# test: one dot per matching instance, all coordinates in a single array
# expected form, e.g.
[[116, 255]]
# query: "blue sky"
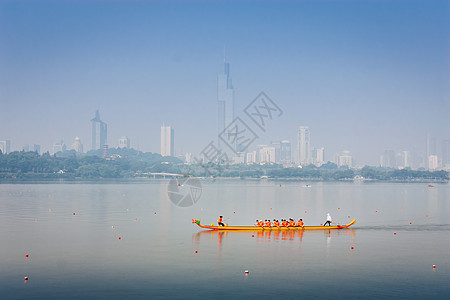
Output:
[[364, 75]]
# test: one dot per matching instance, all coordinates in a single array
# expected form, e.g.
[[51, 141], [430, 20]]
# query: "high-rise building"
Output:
[[167, 141], [5, 146], [303, 146], [387, 160], [124, 142], [433, 162], [318, 156], [267, 154], [77, 145], [251, 157], [225, 100], [345, 159], [285, 151], [59, 147], [282, 151], [403, 159], [99, 132]]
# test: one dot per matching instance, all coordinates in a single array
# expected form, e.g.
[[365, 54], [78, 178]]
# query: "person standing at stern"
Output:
[[328, 220]]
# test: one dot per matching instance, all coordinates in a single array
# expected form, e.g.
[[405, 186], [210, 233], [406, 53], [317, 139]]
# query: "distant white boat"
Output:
[[308, 185]]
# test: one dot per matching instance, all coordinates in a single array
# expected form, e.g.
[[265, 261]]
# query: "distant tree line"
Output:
[[120, 163], [128, 163], [402, 175]]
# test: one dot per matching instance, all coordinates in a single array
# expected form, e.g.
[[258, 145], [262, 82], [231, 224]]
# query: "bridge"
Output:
[[163, 175]]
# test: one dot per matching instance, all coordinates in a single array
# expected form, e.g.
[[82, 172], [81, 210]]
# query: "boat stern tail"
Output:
[[351, 223]]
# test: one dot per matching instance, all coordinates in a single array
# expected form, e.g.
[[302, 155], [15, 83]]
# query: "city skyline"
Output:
[[322, 64], [274, 152]]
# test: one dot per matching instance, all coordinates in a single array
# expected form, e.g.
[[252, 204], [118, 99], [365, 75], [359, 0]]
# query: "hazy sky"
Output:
[[365, 76]]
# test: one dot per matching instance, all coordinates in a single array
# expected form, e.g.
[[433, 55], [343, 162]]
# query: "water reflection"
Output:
[[208, 236]]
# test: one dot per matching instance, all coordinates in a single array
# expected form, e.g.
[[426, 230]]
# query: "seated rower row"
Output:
[[276, 223]]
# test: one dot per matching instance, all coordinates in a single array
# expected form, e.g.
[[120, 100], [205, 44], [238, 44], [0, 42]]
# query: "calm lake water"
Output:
[[81, 256]]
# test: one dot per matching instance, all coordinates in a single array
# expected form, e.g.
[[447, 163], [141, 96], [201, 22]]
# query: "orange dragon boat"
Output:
[[257, 228]]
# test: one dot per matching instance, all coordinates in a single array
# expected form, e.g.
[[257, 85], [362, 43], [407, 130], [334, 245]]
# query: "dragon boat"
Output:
[[272, 228]]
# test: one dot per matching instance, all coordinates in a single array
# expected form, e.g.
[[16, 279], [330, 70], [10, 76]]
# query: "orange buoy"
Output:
[[434, 266], [395, 233], [155, 212], [271, 208], [25, 278], [321, 224], [410, 223], [427, 217], [26, 255], [352, 248], [119, 237], [305, 211], [349, 216], [135, 219], [376, 211], [339, 208], [253, 235], [234, 212], [74, 214], [196, 251], [246, 272], [112, 227]]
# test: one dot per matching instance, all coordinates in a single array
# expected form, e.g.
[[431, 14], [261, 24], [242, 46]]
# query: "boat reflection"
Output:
[[278, 235]]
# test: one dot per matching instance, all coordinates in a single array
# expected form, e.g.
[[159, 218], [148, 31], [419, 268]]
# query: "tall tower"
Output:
[[225, 99], [99, 132], [303, 146], [167, 141]]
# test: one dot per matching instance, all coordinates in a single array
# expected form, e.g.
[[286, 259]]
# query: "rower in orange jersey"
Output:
[[291, 223], [276, 223], [220, 221], [300, 223], [284, 223], [258, 223], [268, 223]]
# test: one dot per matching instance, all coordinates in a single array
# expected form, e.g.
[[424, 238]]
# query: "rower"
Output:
[[284, 223], [268, 223], [300, 223], [220, 221], [291, 223]]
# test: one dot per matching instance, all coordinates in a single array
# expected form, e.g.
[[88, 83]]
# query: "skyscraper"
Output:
[[225, 100], [303, 146], [5, 146], [99, 132], [167, 141]]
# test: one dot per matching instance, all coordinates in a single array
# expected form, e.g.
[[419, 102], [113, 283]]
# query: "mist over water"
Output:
[[79, 256]]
